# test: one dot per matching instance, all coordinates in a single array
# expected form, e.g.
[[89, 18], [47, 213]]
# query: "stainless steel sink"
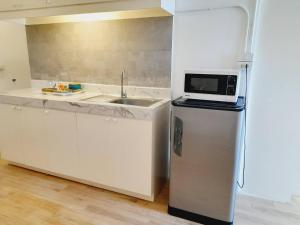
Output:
[[136, 102], [99, 98]]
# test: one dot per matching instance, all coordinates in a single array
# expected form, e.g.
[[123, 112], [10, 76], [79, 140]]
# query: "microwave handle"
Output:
[[178, 132]]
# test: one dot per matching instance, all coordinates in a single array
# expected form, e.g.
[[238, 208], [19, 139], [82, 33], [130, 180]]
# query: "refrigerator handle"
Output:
[[178, 132]]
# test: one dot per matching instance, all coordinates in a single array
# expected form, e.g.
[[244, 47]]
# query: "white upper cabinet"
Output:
[[15, 9], [12, 5], [57, 3]]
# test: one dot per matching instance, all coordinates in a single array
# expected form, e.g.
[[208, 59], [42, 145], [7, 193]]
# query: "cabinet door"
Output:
[[95, 155], [131, 145], [12, 5], [34, 138], [54, 3], [10, 134], [60, 131]]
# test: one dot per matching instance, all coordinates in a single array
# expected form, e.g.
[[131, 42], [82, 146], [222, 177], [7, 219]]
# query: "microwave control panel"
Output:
[[231, 85]]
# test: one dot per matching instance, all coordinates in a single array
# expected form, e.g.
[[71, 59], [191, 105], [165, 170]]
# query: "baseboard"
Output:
[[196, 217], [97, 185]]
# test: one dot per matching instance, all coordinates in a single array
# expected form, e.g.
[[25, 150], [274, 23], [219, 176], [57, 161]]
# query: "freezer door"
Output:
[[204, 161]]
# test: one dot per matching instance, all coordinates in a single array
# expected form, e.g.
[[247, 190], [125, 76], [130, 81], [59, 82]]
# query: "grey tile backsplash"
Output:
[[97, 52]]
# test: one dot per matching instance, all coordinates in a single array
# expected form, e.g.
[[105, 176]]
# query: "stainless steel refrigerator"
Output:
[[206, 140]]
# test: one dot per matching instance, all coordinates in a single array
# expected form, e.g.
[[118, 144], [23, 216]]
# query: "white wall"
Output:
[[14, 62], [206, 40], [273, 163]]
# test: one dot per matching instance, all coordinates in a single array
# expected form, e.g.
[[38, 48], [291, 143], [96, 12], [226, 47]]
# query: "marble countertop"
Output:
[[81, 103]]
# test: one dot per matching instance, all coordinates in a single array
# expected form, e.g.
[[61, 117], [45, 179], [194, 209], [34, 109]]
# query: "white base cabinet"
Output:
[[132, 142], [40, 138], [11, 144], [118, 154], [60, 131], [34, 138], [96, 158]]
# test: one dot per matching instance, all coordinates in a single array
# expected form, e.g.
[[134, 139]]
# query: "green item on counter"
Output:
[[75, 86]]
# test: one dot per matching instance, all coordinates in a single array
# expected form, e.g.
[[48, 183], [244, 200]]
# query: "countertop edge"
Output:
[[79, 106]]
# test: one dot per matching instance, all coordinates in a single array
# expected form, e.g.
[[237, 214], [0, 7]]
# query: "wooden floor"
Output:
[[31, 198]]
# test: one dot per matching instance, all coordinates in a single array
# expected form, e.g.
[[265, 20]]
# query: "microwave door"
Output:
[[205, 84]]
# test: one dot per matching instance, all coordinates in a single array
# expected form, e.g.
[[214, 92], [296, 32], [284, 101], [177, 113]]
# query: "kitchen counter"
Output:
[[85, 138], [81, 103]]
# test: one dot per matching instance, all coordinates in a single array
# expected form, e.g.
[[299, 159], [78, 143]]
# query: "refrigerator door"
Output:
[[204, 161]]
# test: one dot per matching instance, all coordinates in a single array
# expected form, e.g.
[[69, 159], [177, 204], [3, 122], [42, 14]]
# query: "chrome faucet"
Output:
[[123, 93]]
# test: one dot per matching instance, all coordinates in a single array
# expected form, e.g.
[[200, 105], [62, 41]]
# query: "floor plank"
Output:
[[31, 198]]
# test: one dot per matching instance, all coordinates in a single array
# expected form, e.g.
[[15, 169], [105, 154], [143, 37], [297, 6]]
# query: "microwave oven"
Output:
[[221, 86]]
